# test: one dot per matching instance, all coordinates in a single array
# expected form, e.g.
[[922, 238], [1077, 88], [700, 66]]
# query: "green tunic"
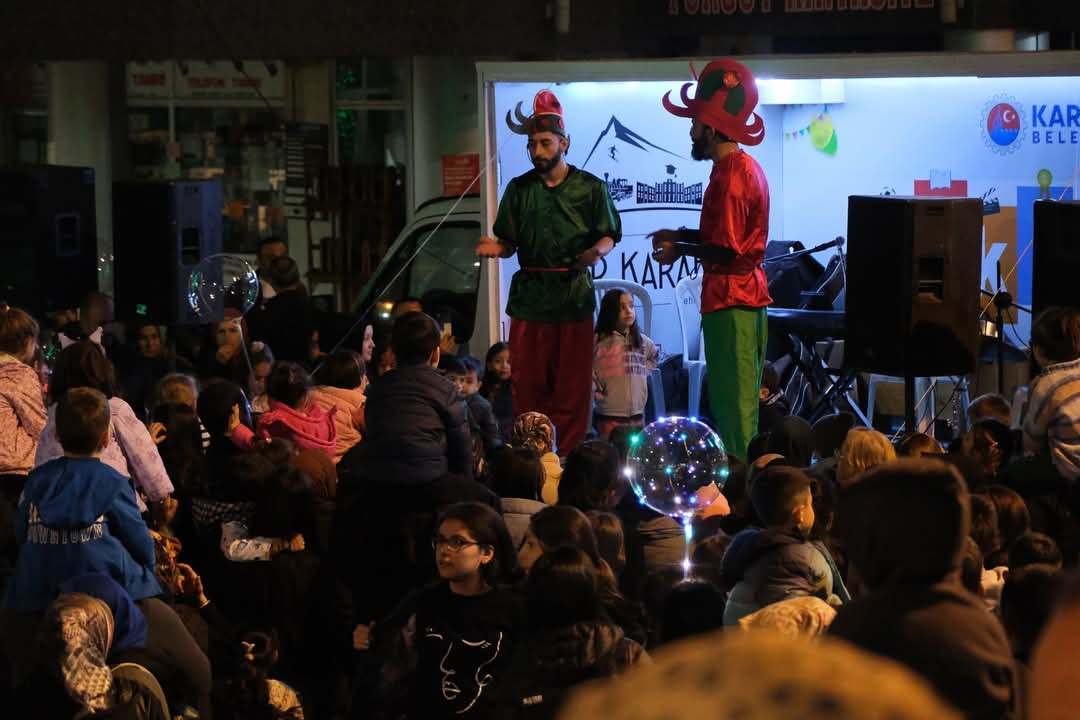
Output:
[[550, 228]]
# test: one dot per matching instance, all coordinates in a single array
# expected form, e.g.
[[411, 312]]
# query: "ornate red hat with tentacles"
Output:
[[546, 117], [725, 99]]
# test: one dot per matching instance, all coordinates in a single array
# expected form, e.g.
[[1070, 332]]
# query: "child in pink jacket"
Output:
[[22, 406], [291, 416], [341, 379]]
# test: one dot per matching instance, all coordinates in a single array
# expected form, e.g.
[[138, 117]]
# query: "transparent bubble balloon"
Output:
[[220, 283], [677, 466]]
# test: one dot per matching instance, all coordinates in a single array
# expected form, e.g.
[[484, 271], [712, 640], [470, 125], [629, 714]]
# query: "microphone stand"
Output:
[[1003, 300], [838, 242]]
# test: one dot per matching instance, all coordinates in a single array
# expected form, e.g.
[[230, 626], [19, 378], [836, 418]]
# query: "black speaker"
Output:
[[913, 273], [161, 232], [1055, 264], [48, 236]]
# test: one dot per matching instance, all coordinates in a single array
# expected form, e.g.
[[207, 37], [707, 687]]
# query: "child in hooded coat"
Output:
[[291, 417]]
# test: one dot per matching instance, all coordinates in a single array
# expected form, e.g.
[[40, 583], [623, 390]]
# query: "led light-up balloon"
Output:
[[222, 282], [677, 467]]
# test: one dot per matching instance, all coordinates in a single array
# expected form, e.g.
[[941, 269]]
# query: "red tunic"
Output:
[[735, 214]]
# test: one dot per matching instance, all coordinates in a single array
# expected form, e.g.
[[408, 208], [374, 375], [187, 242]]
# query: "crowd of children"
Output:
[[254, 533]]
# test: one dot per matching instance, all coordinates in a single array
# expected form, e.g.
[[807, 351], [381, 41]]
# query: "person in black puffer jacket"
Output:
[[570, 640], [416, 459], [418, 431]]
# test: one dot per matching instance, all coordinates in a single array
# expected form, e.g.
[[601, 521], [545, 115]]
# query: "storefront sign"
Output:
[[198, 80], [225, 80], [459, 174], [765, 7], [149, 80], [796, 17]]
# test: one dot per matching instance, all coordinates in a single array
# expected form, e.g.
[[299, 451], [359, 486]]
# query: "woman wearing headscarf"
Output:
[[72, 675], [535, 431], [150, 634]]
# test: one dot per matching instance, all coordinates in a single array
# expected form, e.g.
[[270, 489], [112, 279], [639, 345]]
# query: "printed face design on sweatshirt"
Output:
[[464, 667]]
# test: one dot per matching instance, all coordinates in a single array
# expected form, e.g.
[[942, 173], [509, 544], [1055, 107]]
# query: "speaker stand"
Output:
[[1002, 301]]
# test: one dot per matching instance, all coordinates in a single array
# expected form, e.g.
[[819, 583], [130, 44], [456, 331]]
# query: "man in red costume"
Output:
[[560, 220], [730, 244]]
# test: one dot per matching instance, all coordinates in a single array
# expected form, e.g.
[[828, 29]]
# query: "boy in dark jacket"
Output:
[[416, 458], [463, 373], [775, 562], [418, 431]]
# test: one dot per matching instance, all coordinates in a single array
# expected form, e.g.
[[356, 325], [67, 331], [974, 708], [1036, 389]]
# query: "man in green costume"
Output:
[[560, 221]]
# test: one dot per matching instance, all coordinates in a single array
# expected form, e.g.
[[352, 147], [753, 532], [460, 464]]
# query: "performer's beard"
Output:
[[700, 149], [543, 165]]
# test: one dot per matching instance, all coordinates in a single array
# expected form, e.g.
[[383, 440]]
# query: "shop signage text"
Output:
[[763, 7], [201, 80]]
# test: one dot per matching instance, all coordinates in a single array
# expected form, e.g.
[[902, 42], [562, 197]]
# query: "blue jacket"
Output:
[[482, 421], [764, 566], [79, 517], [417, 429]]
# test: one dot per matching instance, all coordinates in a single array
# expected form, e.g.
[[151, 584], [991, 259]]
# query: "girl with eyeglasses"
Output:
[[448, 645]]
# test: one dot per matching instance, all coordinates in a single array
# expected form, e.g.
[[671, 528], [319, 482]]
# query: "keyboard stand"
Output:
[[834, 388], [839, 391]]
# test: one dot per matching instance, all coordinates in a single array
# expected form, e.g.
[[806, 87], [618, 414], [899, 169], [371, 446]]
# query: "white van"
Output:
[[434, 259]]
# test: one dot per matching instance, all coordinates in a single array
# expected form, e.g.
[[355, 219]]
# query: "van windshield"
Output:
[[447, 262], [445, 274]]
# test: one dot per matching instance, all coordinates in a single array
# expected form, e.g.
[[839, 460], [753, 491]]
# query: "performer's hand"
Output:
[[587, 259], [663, 242], [489, 248]]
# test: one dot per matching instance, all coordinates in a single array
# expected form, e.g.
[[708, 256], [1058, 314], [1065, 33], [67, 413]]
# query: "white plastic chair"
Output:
[[688, 304], [642, 298]]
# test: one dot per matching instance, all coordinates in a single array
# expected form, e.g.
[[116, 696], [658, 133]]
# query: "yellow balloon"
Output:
[[821, 132]]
